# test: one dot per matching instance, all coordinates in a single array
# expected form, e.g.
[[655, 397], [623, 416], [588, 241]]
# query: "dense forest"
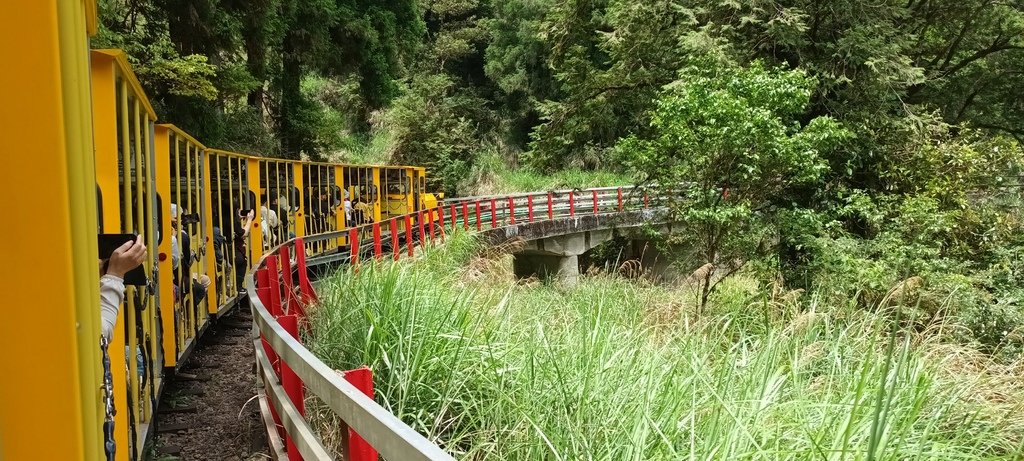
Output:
[[873, 148]]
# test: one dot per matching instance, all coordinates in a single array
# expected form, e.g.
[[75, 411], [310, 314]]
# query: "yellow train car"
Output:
[[87, 154]]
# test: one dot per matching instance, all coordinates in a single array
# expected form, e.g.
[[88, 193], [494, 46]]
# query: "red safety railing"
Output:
[[280, 291]]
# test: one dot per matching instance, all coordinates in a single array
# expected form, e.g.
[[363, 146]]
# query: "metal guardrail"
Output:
[[297, 368]]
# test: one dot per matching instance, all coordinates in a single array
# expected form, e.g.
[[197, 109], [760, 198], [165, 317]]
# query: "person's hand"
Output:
[[126, 257], [251, 215]]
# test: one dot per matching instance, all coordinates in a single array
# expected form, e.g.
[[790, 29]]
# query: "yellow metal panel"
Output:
[[190, 305], [82, 187], [380, 194], [231, 219], [90, 19], [300, 184], [223, 222], [141, 224], [36, 123], [128, 225], [104, 121], [256, 232], [161, 141], [207, 241], [339, 211], [153, 226], [121, 62], [180, 305]]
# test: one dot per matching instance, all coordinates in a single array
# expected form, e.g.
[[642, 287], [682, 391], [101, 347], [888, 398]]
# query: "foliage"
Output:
[[437, 120], [861, 144], [490, 175], [432, 125], [727, 143], [491, 369], [605, 81]]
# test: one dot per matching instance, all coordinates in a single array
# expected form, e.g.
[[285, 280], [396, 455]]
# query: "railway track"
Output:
[[207, 411]]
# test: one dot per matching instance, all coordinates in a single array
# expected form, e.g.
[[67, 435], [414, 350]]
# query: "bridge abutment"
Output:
[[565, 269]]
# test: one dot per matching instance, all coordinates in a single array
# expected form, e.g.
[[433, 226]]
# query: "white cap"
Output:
[[174, 210]]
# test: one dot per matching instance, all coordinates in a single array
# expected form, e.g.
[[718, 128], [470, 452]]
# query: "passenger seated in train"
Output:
[[243, 224], [112, 270], [278, 204], [348, 209], [269, 223], [364, 211], [220, 257], [181, 255]]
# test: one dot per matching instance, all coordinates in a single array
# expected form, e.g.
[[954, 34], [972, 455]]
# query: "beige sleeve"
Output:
[[111, 296]]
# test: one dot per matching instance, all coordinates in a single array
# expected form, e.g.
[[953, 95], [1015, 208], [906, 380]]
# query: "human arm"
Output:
[[247, 224], [111, 296], [125, 258], [175, 253]]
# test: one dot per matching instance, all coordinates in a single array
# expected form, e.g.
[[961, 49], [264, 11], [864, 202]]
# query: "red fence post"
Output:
[[595, 200], [511, 210], [377, 246], [620, 198], [358, 448], [572, 204], [422, 226], [465, 215], [477, 210], [263, 293], [645, 199], [305, 287], [529, 208], [408, 233], [292, 385], [353, 245], [430, 224], [494, 213], [273, 285], [455, 218], [262, 277], [551, 206], [440, 221], [290, 303]]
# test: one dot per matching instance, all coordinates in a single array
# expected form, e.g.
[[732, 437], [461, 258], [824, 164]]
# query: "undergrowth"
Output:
[[616, 369]]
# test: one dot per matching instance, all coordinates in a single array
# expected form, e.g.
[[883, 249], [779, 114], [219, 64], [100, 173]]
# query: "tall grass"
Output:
[[619, 370]]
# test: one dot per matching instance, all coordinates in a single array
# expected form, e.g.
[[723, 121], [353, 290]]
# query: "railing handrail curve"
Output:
[[392, 438]]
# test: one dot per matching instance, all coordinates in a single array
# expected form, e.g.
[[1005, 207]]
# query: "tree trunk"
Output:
[[291, 95]]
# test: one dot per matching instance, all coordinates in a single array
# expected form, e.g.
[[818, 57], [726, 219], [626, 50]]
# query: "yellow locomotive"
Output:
[[84, 154]]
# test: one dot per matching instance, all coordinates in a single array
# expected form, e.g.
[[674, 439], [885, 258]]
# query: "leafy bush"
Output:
[[433, 124], [728, 138]]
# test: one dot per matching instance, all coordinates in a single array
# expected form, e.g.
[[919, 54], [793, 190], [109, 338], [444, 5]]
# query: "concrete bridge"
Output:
[[553, 247]]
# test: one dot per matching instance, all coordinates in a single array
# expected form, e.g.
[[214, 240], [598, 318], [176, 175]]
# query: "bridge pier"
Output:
[[563, 268], [557, 257], [553, 248]]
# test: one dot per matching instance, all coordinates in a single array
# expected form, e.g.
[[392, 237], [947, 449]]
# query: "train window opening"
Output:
[[159, 217], [99, 209]]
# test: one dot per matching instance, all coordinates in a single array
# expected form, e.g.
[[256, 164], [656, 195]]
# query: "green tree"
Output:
[[609, 60], [727, 147], [517, 64], [441, 116]]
